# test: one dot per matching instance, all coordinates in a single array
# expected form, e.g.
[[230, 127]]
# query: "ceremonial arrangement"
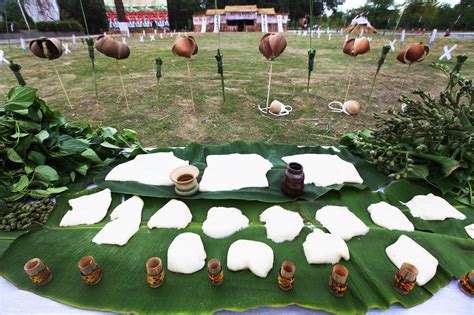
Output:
[[102, 218]]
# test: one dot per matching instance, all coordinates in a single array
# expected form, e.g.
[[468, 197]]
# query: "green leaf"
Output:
[[82, 169], [37, 157], [14, 156], [370, 279], [447, 164], [42, 135], [91, 155], [419, 171], [21, 185], [20, 98], [56, 190], [73, 146], [39, 194], [46, 173]]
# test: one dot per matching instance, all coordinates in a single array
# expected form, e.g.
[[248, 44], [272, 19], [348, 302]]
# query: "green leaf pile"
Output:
[[123, 287], [41, 154]]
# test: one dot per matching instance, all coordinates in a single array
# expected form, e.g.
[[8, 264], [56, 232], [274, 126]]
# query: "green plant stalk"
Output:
[[90, 48], [15, 68], [311, 55], [385, 51], [159, 63], [220, 70]]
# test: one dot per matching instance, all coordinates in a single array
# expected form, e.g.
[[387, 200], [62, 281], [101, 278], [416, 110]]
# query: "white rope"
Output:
[[338, 107]]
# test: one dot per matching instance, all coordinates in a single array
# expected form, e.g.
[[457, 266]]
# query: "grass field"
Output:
[[171, 121]]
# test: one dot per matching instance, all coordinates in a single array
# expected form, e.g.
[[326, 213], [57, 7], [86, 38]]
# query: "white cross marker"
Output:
[[155, 32], [144, 33], [402, 37], [152, 38], [447, 52], [329, 36], [124, 40], [66, 49], [319, 32], [23, 44], [2, 58], [141, 39], [392, 44], [74, 41]]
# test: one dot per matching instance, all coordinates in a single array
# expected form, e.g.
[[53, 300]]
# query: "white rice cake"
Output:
[[186, 253], [432, 208], [174, 214], [88, 209], [222, 222], [281, 224], [341, 221], [253, 255], [324, 248], [385, 215]]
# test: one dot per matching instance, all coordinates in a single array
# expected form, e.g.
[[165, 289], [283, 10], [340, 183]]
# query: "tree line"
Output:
[[383, 14]]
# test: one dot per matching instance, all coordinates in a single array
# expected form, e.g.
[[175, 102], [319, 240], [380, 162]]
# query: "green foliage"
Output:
[[60, 26], [94, 10], [430, 138], [40, 153]]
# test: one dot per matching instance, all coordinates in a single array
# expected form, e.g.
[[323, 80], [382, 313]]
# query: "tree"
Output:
[[93, 9], [120, 10]]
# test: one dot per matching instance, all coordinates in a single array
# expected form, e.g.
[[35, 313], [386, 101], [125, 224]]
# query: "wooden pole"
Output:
[[62, 85], [269, 85], [123, 85], [190, 85]]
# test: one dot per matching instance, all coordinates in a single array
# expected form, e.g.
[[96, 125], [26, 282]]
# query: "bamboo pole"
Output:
[[350, 79], [190, 85], [62, 85], [123, 85], [269, 85]]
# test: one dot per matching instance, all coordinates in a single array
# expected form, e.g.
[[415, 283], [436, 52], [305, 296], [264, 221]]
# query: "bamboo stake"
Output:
[[350, 80], [123, 86], [62, 85], [190, 85], [269, 85]]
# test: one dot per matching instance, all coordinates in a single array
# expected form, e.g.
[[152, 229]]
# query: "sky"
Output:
[[350, 4]]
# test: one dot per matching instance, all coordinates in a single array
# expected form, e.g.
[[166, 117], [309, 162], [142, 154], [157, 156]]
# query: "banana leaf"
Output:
[[123, 288], [196, 155]]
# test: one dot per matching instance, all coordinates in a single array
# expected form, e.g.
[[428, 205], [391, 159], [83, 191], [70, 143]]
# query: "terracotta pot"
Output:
[[293, 180], [414, 53], [185, 47], [185, 180], [272, 45], [356, 46], [43, 47]]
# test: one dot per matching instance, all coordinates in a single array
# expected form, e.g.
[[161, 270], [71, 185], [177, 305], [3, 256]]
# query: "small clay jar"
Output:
[[286, 275], [405, 279], [293, 180], [338, 280], [185, 180], [466, 284], [215, 272], [91, 273], [37, 271], [155, 275]]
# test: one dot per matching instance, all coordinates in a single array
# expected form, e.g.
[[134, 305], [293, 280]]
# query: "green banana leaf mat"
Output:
[[123, 287], [196, 155]]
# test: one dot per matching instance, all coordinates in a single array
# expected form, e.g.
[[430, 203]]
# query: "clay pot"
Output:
[[272, 45], [185, 47], [43, 47], [293, 180], [279, 109], [414, 53], [356, 46], [352, 107], [111, 48], [185, 180]]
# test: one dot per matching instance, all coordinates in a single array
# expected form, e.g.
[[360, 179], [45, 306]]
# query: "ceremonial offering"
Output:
[[186, 253], [281, 224], [466, 284], [431, 207], [252, 255], [341, 222], [184, 179], [414, 53], [185, 47], [215, 272], [83, 213], [385, 215], [272, 45], [356, 46], [222, 222], [348, 107], [293, 180], [37, 271], [279, 109], [174, 214], [155, 275], [338, 280], [324, 248], [91, 273], [405, 279], [286, 275]]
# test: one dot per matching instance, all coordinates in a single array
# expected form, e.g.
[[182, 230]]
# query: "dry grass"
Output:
[[171, 121]]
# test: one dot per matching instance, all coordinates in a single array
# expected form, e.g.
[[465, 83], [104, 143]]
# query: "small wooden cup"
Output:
[[338, 280], [37, 271], [286, 275], [155, 275], [466, 284], [405, 279], [185, 180], [91, 273], [215, 272]]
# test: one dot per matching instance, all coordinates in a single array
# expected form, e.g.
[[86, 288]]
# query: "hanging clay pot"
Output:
[[111, 48], [414, 53], [185, 47], [356, 46], [272, 45], [43, 47]]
